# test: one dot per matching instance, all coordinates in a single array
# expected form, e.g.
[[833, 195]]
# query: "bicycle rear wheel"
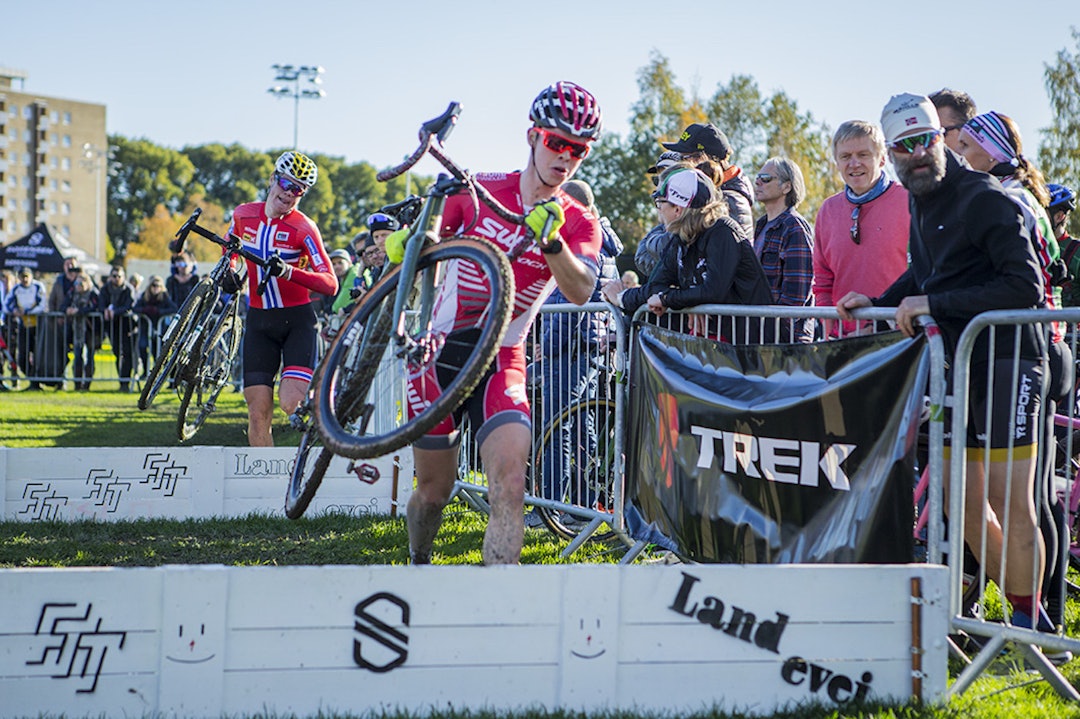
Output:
[[360, 398], [198, 305], [312, 460], [587, 476], [212, 372]]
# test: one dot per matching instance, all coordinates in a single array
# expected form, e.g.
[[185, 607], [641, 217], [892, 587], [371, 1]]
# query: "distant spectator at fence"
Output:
[[341, 262], [783, 241], [154, 304], [26, 303], [1062, 204], [711, 264], [117, 304], [630, 279], [80, 307], [954, 108], [54, 332], [183, 278], [657, 240], [860, 234], [706, 147]]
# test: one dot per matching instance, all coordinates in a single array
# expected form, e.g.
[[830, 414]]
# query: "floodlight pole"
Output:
[[293, 74], [92, 161]]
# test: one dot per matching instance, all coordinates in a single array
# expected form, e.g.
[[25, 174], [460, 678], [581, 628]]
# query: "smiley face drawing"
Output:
[[588, 644], [191, 645]]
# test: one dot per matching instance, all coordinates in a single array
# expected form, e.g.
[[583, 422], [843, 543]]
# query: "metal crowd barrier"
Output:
[[47, 349], [999, 634], [576, 387]]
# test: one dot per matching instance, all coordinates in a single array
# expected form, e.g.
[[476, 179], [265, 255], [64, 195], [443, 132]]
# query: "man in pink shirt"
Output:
[[860, 234]]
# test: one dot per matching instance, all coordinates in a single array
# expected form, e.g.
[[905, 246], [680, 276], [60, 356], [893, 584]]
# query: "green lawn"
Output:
[[105, 417]]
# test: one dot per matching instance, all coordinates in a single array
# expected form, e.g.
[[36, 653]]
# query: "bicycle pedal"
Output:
[[298, 422]]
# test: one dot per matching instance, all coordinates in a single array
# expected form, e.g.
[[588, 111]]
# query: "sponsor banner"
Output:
[[111, 483], [777, 453], [229, 641]]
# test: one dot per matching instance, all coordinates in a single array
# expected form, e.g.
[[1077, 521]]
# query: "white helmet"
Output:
[[297, 166]]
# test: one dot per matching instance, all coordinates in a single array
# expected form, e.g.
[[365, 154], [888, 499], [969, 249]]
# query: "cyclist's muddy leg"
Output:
[[436, 472], [505, 451]]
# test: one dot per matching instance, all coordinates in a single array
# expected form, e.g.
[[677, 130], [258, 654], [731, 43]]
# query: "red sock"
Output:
[[1024, 603]]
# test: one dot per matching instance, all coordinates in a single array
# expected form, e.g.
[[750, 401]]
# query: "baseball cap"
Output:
[[686, 187], [906, 115], [342, 254], [666, 160], [702, 137]]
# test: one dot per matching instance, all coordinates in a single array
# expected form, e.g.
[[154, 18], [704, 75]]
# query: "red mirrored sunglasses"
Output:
[[559, 144]]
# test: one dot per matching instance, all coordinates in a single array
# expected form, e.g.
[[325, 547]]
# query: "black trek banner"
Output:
[[795, 453]]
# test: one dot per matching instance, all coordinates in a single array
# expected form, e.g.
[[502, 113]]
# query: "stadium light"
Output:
[[94, 161], [292, 75]]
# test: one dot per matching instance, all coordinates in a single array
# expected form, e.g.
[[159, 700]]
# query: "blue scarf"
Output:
[[873, 193]]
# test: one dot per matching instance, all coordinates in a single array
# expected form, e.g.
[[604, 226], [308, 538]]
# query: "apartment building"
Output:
[[53, 165]]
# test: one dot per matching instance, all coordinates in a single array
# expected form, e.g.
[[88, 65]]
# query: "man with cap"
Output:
[[656, 241], [861, 233], [342, 263], [704, 146], [971, 252]]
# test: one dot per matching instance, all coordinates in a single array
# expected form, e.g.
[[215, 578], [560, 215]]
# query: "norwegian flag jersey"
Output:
[[296, 238]]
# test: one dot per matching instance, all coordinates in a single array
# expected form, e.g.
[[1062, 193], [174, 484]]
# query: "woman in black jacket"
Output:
[[713, 262]]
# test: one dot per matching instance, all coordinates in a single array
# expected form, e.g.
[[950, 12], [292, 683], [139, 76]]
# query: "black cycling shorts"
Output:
[[282, 338]]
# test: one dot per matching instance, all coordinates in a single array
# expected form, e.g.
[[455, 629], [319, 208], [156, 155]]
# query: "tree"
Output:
[[758, 127], [1059, 156], [229, 175], [142, 175]]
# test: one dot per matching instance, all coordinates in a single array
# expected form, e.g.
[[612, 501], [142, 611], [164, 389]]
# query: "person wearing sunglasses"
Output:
[[991, 143], [712, 263], [565, 120], [954, 108], [281, 322], [706, 147], [860, 233], [783, 241], [656, 241], [972, 252]]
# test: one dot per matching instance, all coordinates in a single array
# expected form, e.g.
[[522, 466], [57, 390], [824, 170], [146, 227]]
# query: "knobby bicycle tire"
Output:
[[359, 404], [310, 465], [601, 469], [193, 308], [312, 460], [209, 375]]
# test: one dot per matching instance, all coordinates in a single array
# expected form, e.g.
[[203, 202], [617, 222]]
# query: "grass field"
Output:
[[108, 418]]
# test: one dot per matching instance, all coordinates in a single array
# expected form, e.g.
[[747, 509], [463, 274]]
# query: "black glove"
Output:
[[276, 267], [232, 282]]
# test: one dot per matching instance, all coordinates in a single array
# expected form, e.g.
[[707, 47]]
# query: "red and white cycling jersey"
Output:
[[464, 295], [296, 238]]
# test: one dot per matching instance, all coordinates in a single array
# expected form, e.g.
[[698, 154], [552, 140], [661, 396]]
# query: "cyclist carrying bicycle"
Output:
[[281, 322], [565, 119]]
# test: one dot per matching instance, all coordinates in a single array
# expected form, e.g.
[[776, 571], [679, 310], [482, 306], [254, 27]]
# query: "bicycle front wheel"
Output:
[[210, 375], [376, 360], [574, 464], [198, 305]]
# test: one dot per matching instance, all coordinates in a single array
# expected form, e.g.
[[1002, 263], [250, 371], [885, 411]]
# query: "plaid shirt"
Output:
[[786, 254]]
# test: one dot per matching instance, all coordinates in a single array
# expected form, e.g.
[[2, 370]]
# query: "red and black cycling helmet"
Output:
[[569, 108]]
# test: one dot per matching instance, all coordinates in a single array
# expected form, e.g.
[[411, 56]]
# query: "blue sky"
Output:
[[198, 71]]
